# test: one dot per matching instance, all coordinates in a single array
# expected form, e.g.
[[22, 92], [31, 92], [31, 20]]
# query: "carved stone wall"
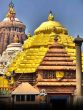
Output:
[[7, 37], [58, 89]]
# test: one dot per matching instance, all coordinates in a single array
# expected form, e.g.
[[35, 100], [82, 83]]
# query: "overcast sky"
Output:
[[33, 12]]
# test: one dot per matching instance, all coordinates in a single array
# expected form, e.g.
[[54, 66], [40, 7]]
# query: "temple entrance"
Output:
[[59, 101]]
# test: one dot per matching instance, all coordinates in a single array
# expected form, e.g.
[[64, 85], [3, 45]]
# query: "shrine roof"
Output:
[[25, 88]]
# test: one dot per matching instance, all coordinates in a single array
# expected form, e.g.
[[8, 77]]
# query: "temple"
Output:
[[46, 65], [9, 27], [47, 62]]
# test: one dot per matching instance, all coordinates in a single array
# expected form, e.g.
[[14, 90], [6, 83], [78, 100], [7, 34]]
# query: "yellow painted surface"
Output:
[[3, 82], [36, 46], [28, 60]]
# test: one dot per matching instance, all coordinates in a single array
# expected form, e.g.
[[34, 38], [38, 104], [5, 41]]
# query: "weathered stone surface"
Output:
[[7, 37], [9, 28]]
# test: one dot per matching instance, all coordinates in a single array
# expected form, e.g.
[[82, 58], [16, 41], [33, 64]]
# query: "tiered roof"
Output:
[[34, 51], [57, 58], [35, 48], [67, 42]]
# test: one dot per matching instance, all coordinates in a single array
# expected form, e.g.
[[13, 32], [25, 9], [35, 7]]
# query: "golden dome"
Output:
[[48, 26]]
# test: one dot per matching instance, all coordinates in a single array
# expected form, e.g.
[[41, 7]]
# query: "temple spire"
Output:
[[50, 17], [11, 12]]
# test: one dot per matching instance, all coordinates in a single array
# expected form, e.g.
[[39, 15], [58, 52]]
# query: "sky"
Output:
[[33, 12]]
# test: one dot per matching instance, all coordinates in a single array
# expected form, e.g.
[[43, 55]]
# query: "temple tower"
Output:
[[48, 62], [10, 27]]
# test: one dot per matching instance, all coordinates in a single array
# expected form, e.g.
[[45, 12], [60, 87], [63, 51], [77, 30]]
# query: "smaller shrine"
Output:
[[25, 93]]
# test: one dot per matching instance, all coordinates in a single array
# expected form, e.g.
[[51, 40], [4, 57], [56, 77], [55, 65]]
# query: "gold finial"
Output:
[[11, 12], [50, 17], [16, 39]]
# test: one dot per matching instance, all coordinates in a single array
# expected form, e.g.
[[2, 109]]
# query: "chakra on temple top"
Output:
[[11, 4], [11, 12]]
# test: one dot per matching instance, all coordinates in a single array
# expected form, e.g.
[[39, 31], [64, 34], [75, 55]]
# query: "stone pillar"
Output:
[[78, 96]]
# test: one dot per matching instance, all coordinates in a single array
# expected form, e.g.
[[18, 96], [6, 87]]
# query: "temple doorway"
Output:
[[59, 101]]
